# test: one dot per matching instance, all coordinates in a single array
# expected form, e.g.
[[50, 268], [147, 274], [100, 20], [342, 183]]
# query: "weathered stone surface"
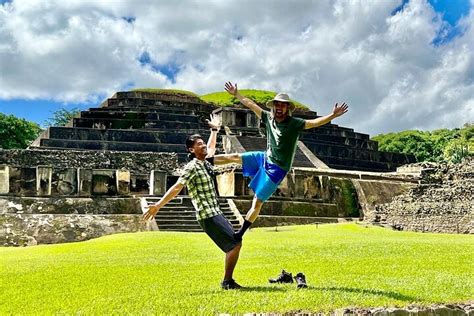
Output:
[[277, 207], [139, 184], [444, 202], [4, 179], [22, 181], [462, 309], [43, 180], [104, 182], [85, 182], [29, 221], [135, 162], [64, 181], [33, 229], [275, 221], [375, 192], [158, 180], [69, 205], [123, 182]]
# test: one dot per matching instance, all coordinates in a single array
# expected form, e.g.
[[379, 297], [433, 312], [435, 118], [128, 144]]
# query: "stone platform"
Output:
[[143, 121]]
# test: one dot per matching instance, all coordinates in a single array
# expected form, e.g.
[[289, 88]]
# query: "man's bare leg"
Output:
[[231, 259], [228, 158], [254, 211]]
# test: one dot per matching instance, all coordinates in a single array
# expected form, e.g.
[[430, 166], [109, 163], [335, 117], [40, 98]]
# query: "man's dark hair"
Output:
[[190, 141]]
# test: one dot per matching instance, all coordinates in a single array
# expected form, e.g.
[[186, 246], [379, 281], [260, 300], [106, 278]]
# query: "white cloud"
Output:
[[320, 52]]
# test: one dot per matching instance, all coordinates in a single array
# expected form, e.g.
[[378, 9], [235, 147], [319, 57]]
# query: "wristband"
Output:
[[214, 129]]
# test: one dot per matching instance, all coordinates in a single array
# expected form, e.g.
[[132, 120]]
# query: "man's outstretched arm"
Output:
[[215, 125], [169, 195], [336, 112], [232, 89]]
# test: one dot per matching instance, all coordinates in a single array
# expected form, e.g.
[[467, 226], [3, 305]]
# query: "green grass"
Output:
[[179, 273], [259, 96], [166, 91]]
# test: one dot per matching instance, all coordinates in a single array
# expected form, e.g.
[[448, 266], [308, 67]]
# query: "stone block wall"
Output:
[[443, 202], [135, 162], [30, 221], [84, 173]]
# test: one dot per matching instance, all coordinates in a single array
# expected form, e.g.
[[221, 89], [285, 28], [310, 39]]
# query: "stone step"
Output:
[[111, 145], [325, 130], [178, 217], [322, 130], [124, 135], [175, 110], [134, 124], [184, 230], [150, 102], [186, 212], [340, 140], [356, 154], [186, 216], [362, 165], [144, 116], [190, 222]]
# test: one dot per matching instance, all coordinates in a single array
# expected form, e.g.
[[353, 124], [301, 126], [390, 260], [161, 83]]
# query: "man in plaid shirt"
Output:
[[197, 176]]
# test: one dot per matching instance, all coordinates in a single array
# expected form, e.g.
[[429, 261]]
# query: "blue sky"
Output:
[[384, 58]]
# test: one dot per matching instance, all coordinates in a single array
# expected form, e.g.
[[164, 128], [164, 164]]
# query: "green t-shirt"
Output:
[[282, 139]]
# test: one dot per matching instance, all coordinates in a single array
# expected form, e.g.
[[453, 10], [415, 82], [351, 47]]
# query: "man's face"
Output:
[[281, 109], [199, 149]]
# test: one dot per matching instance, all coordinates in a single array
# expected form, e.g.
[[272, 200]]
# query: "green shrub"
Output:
[[436, 146], [16, 132]]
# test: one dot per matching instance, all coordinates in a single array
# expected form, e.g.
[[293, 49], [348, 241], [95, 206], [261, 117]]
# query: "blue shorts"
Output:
[[266, 176]]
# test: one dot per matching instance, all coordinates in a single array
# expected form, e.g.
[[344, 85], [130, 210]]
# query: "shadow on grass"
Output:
[[261, 289], [269, 289], [391, 294], [244, 289]]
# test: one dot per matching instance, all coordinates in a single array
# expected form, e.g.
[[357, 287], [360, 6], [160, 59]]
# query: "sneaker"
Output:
[[284, 277], [230, 285], [301, 281]]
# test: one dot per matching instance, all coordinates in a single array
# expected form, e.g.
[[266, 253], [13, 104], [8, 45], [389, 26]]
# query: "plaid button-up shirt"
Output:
[[201, 188]]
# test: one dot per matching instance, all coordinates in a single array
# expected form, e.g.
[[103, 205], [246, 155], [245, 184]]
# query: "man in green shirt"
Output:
[[268, 169]]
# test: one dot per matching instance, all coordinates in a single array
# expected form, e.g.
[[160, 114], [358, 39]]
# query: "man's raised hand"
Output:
[[215, 122], [229, 87], [152, 210], [340, 109]]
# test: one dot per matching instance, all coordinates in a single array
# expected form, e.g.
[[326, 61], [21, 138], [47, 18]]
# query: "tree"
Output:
[[437, 146], [456, 150], [16, 132], [62, 116]]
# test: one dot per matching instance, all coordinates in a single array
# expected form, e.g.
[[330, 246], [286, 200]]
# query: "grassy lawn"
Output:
[[179, 273]]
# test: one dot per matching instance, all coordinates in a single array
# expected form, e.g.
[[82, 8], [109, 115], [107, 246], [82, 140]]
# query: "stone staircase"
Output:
[[180, 215]]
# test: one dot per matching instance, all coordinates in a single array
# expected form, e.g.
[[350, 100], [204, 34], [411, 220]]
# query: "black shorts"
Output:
[[221, 232]]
